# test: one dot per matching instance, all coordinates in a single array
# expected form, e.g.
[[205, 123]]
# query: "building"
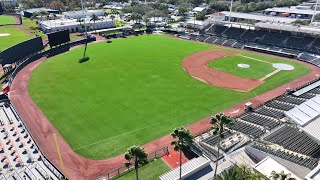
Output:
[[29, 12], [267, 165], [73, 25], [293, 11], [81, 14], [236, 16]]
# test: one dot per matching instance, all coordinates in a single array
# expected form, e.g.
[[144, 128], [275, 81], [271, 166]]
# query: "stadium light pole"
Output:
[[314, 11], [84, 18], [231, 2], [85, 29]]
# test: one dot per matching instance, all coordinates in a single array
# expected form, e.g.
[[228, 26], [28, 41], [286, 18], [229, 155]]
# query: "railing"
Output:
[[123, 169]]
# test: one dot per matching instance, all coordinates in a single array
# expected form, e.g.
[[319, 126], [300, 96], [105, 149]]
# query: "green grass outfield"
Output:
[[16, 36], [131, 92], [7, 19], [229, 64], [150, 171]]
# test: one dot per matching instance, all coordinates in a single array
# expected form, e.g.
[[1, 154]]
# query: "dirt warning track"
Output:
[[196, 65]]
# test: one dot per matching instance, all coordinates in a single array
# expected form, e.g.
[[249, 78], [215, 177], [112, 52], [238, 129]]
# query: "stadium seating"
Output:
[[202, 37], [220, 40], [211, 39], [306, 162], [261, 120], [248, 129], [20, 156], [238, 45], [213, 140], [294, 140], [267, 111], [230, 42], [306, 57], [300, 43], [315, 47], [279, 105], [290, 51], [233, 33], [251, 36], [274, 39], [290, 99]]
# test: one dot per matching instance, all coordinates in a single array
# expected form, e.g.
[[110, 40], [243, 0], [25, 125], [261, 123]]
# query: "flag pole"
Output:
[[59, 154]]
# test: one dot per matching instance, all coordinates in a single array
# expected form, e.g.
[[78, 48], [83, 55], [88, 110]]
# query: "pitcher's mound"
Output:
[[282, 66], [4, 34]]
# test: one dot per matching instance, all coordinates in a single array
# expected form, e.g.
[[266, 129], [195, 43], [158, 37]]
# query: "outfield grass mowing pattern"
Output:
[[7, 19], [229, 65], [132, 91]]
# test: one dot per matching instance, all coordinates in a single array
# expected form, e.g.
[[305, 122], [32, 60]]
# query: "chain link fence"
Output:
[[123, 169]]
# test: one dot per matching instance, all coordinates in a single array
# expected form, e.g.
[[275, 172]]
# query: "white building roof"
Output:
[[188, 168], [259, 17], [291, 10], [267, 165], [305, 112], [69, 22], [198, 9]]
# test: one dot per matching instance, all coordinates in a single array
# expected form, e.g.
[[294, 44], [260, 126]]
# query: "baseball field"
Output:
[[4, 19], [11, 35], [135, 90]]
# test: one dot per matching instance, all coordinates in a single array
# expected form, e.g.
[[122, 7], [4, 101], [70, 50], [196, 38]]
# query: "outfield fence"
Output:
[[124, 169]]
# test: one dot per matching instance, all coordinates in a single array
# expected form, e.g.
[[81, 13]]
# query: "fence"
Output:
[[123, 169]]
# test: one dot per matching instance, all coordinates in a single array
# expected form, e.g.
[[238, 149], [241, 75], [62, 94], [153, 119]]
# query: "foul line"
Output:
[[256, 59]]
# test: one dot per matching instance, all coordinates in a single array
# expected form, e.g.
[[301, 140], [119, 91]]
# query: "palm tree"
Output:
[[220, 122], [106, 14], [230, 174], [136, 156], [281, 176], [146, 20], [94, 18], [184, 140], [112, 17]]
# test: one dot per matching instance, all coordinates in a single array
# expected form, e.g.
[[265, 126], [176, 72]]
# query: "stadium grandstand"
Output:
[[21, 158], [273, 130], [302, 46]]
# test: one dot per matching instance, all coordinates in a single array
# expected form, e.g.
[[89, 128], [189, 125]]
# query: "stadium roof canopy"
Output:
[[307, 117], [289, 27], [267, 165], [291, 10], [259, 17]]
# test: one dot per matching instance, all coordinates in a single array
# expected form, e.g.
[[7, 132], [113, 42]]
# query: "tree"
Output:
[[280, 176], [94, 18], [220, 122], [248, 174], [112, 17], [230, 174], [184, 140], [146, 20], [43, 14], [183, 9], [1, 9], [106, 14], [136, 156]]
